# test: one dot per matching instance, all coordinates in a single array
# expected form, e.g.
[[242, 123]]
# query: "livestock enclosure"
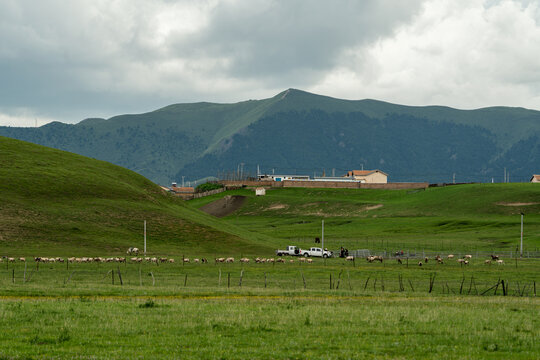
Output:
[[327, 309]]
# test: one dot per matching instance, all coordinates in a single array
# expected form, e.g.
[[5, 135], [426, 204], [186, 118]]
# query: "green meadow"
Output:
[[474, 217], [57, 204], [325, 310]]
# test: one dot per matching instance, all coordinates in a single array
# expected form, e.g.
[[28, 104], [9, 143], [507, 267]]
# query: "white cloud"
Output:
[[465, 54], [88, 58], [23, 117]]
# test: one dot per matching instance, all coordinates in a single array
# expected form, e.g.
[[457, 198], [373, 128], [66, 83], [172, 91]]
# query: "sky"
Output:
[[70, 60]]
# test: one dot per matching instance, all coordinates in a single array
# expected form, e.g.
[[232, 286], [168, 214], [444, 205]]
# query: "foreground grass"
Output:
[[271, 328], [265, 311]]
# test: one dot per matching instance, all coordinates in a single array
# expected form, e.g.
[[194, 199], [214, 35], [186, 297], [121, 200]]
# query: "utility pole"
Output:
[[521, 246], [334, 172], [241, 170], [504, 175], [454, 179], [144, 237], [322, 237], [183, 181]]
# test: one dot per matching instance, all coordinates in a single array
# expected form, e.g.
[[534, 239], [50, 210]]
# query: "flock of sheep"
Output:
[[462, 261], [134, 251]]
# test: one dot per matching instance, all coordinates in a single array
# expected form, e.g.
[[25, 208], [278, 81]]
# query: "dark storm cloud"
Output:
[[66, 59]]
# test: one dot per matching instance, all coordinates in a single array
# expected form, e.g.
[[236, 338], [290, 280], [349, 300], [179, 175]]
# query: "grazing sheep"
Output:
[[22, 259], [220, 260], [450, 256], [11, 259], [309, 261], [487, 262], [244, 260], [399, 261], [500, 262], [163, 260], [439, 261], [291, 261], [349, 258], [467, 257], [196, 260], [302, 259], [229, 260], [466, 262], [171, 261], [460, 261], [204, 260], [419, 263], [186, 260], [280, 260], [426, 260], [133, 251]]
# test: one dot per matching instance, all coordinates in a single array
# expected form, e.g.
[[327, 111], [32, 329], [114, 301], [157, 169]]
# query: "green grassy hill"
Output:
[[454, 218], [58, 203]]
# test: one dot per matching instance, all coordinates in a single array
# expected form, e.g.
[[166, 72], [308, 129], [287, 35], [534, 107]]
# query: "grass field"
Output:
[[189, 311], [56, 203], [483, 217], [271, 328], [59, 204]]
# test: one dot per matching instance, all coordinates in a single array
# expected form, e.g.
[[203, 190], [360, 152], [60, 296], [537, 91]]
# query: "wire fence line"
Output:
[[420, 254]]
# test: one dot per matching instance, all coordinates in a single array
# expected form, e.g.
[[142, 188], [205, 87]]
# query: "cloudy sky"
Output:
[[69, 60]]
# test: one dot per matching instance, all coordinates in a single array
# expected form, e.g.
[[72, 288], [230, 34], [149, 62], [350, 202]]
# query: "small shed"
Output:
[[535, 179], [260, 191]]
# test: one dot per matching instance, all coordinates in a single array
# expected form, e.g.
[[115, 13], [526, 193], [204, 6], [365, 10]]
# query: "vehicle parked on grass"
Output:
[[317, 252], [291, 250]]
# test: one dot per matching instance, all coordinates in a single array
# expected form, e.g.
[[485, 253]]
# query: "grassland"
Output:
[[270, 328], [56, 203], [60, 204], [483, 217], [189, 311]]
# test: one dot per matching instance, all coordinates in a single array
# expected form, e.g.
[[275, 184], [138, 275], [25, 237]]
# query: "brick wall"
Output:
[[324, 184]]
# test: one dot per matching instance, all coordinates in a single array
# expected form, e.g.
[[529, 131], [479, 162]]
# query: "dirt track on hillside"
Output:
[[224, 206]]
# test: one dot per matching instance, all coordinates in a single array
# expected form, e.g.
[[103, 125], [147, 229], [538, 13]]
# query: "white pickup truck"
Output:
[[318, 252], [291, 250]]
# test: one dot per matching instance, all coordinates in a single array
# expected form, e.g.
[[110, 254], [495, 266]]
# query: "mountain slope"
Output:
[[410, 143], [57, 203]]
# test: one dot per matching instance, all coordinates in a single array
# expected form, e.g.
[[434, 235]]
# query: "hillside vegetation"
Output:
[[58, 203], [296, 131], [454, 218]]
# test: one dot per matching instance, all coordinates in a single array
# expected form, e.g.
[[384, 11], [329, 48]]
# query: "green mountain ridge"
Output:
[[198, 140]]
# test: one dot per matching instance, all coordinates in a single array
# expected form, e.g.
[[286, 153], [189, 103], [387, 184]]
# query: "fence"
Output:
[[420, 254], [200, 195]]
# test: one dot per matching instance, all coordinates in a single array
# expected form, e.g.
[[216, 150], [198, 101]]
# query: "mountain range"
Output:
[[303, 133]]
